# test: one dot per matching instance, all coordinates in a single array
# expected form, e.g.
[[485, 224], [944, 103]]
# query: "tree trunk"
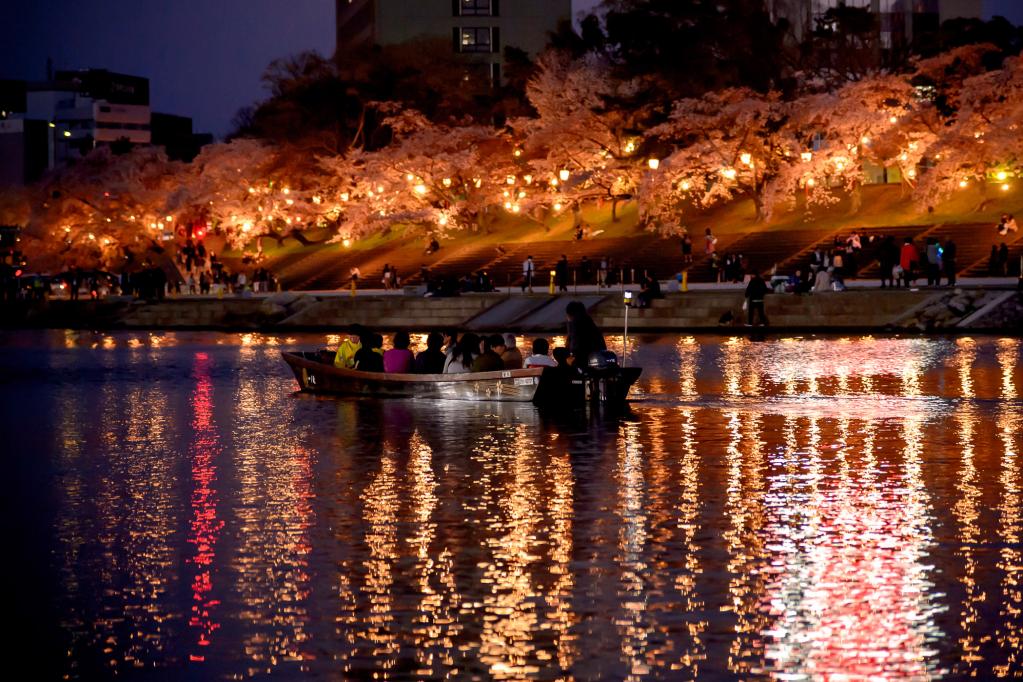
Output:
[[614, 209], [855, 200]]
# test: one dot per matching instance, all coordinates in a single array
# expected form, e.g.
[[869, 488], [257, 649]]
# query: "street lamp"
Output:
[[625, 331]]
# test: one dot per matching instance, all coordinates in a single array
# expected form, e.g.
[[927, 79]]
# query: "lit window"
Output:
[[475, 39]]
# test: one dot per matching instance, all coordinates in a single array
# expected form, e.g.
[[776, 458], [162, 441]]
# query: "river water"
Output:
[[794, 508]]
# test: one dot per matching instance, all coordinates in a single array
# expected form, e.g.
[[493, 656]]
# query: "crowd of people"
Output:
[[454, 352], [204, 274]]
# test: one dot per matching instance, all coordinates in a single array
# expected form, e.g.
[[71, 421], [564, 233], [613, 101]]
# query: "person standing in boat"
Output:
[[584, 337]]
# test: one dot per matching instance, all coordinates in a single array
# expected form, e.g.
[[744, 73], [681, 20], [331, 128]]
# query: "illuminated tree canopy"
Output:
[[948, 122]]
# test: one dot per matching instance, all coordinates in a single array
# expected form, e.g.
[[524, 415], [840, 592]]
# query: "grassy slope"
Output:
[[880, 205]]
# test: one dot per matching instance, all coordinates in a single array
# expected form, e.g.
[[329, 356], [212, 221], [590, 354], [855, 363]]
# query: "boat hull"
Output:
[[315, 376]]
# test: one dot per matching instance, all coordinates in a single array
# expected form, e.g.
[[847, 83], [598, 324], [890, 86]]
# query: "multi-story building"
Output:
[[43, 125], [898, 20], [479, 29]]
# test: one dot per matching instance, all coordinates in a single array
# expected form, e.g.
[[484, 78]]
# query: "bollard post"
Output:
[[353, 288], [553, 273], [685, 280]]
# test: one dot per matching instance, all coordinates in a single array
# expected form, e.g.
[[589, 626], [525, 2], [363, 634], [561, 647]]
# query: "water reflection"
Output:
[[797, 508]]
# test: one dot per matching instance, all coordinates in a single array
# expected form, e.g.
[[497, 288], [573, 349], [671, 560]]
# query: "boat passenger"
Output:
[[540, 357], [399, 358], [370, 358], [461, 358], [489, 360], [431, 360], [512, 356], [584, 336], [346, 350]]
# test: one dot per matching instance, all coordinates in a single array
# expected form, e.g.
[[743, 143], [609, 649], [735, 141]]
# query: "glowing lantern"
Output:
[[346, 242], [169, 218], [810, 182], [893, 119], [684, 185], [563, 174], [510, 179], [515, 208], [410, 177], [344, 196], [246, 227], [1002, 175], [729, 173], [1005, 187], [557, 206], [446, 182], [746, 158], [653, 163], [420, 189], [380, 189], [443, 220], [806, 157], [507, 205], [963, 184], [528, 179], [477, 183]]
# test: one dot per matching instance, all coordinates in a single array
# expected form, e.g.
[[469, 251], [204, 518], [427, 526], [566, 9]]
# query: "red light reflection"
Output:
[[205, 526]]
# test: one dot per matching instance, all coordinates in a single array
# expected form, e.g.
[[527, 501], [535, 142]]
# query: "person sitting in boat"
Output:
[[489, 359], [349, 346], [512, 356], [431, 360], [399, 358], [584, 337], [540, 357], [370, 357], [461, 358]]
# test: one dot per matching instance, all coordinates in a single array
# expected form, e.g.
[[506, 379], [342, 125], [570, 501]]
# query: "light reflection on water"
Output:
[[793, 508]]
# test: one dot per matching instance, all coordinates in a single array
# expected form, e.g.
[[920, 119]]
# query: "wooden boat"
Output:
[[316, 373], [316, 376]]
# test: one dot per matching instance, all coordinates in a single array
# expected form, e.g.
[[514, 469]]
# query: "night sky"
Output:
[[203, 59]]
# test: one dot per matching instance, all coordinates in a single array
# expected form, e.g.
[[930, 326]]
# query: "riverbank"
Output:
[[996, 307]]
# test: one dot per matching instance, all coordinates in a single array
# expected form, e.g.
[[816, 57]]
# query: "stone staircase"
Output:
[[849, 309]]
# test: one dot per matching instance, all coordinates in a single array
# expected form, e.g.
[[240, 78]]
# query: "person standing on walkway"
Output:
[[908, 259], [602, 272], [527, 274], [948, 261], [755, 292], [933, 263], [1003, 259], [887, 257], [561, 273]]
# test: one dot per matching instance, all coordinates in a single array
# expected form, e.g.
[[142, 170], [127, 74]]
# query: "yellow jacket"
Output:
[[345, 358]]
